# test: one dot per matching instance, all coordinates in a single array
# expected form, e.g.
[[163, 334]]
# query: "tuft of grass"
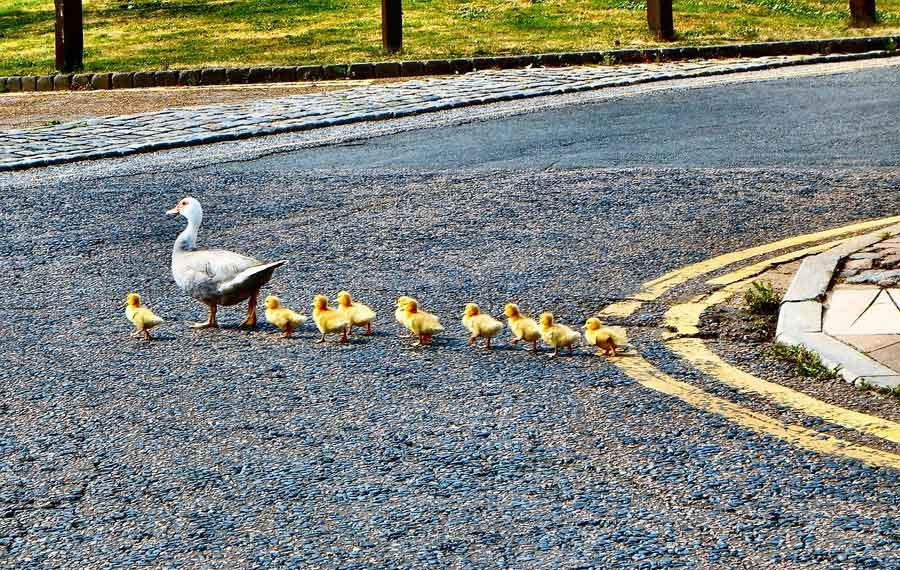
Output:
[[804, 361], [891, 392], [884, 235], [762, 299]]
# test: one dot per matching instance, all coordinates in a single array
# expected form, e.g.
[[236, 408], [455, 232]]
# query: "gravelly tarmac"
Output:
[[246, 450]]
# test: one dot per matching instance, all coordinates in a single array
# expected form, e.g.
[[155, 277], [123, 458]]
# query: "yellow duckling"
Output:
[[141, 317], [522, 327], [282, 317], [329, 320], [557, 335], [606, 339], [358, 314], [423, 325], [400, 311], [480, 325]]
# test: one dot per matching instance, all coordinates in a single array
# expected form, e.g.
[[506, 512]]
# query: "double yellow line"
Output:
[[684, 318]]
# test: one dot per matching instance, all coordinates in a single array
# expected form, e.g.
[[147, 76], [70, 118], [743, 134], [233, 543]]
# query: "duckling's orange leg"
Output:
[[515, 339], [321, 340], [147, 334], [344, 339], [487, 343], [571, 350], [472, 339], [288, 331], [534, 346], [368, 329], [211, 322], [250, 321]]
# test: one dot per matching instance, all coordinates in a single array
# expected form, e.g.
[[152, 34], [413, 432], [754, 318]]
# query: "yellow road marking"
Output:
[[656, 288], [762, 266], [685, 317], [648, 376]]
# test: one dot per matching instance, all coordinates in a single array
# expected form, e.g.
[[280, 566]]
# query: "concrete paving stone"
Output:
[[888, 355], [858, 264], [865, 256], [834, 353], [875, 276], [869, 342], [845, 307]]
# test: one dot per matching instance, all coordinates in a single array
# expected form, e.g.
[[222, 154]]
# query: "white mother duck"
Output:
[[215, 276]]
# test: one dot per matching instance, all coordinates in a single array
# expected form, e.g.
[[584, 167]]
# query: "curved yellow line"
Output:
[[683, 320], [656, 288], [648, 376]]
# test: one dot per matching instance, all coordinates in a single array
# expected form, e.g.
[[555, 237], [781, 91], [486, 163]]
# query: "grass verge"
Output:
[[160, 34]]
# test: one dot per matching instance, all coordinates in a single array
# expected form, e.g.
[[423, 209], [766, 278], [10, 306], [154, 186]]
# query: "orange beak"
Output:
[[174, 211]]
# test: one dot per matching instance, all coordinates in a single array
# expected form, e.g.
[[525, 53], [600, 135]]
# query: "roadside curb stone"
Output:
[[122, 80], [29, 83], [165, 78], [801, 316], [142, 79], [361, 70], [44, 83], [101, 81], [82, 80]]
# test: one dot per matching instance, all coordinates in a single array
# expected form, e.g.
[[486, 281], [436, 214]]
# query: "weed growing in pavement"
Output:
[[891, 392], [762, 302], [884, 235], [805, 362], [762, 299]]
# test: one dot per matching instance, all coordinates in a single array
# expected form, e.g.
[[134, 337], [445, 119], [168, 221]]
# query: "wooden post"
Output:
[[659, 19], [862, 13], [392, 25], [69, 35]]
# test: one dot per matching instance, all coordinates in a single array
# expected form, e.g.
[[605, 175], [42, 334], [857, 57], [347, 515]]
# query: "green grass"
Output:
[[804, 361], [763, 302], [892, 392], [157, 34]]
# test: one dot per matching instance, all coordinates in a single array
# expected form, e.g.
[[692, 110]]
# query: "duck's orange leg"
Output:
[[368, 329], [487, 343], [250, 321], [211, 322], [344, 339]]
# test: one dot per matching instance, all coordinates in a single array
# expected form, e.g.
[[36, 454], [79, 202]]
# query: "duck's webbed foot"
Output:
[[211, 322]]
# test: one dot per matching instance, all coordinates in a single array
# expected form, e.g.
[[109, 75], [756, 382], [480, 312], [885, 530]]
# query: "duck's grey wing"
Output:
[[247, 281], [200, 273]]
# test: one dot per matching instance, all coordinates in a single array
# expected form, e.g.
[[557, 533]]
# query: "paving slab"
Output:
[[868, 342]]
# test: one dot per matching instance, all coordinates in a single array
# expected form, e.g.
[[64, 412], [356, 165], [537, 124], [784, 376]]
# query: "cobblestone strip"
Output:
[[129, 134]]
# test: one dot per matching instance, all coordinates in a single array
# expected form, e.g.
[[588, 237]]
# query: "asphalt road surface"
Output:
[[228, 448]]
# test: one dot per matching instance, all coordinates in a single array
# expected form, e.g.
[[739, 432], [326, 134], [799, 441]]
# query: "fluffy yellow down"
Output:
[[522, 327], [327, 319], [141, 317], [557, 335], [480, 325], [282, 317], [358, 314]]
